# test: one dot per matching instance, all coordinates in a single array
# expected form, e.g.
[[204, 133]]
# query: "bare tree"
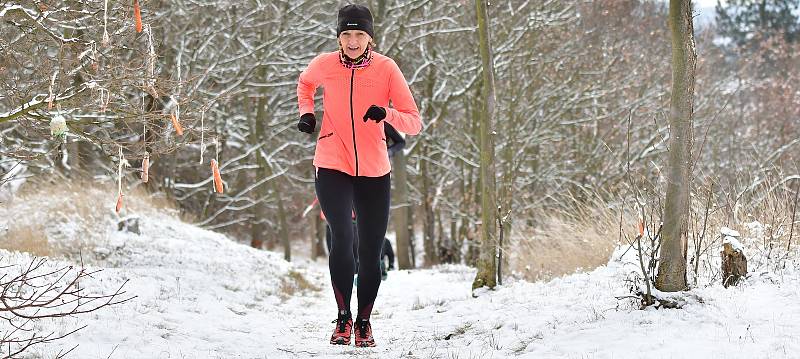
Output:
[[34, 292], [487, 270], [78, 76], [567, 74], [672, 256]]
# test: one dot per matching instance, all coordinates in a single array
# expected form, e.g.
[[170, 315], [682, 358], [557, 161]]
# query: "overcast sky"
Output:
[[705, 3]]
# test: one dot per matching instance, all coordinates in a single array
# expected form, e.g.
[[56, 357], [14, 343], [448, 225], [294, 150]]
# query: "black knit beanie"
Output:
[[354, 17]]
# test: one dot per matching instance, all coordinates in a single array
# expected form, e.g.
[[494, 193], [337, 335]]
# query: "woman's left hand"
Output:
[[375, 113]]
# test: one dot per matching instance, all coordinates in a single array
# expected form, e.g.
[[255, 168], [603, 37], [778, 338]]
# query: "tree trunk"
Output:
[[734, 264], [401, 217], [453, 249], [378, 11], [428, 190], [672, 256], [441, 247], [410, 230], [427, 208], [486, 275], [471, 190], [507, 195], [260, 229], [283, 224], [74, 148], [318, 237]]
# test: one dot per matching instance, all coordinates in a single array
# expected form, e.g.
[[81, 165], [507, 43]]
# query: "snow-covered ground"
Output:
[[201, 295]]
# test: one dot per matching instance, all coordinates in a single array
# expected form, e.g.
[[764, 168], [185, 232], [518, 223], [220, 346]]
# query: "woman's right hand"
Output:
[[307, 123]]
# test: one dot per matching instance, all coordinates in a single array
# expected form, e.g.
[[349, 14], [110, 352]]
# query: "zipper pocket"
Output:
[[325, 136]]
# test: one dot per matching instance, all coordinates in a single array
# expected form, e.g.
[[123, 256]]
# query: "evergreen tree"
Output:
[[744, 20]]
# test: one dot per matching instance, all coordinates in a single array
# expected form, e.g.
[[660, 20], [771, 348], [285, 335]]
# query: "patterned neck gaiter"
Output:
[[357, 63]]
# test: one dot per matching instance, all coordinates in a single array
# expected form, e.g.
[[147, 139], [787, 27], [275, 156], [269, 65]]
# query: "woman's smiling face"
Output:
[[354, 42]]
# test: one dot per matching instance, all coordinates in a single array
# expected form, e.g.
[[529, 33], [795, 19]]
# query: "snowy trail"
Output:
[[200, 295]]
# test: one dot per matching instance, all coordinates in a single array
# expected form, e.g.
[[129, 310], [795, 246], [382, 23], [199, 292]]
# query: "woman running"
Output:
[[351, 159]]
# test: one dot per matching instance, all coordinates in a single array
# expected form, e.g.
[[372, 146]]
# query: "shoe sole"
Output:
[[340, 341], [365, 344]]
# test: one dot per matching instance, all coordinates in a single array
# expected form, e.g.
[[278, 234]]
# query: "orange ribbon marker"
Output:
[[119, 203], [176, 124], [137, 15], [217, 178], [146, 168]]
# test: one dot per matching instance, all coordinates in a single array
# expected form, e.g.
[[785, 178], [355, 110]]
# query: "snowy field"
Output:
[[201, 295]]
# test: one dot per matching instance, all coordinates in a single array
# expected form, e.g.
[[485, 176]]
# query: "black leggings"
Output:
[[339, 194], [329, 239], [387, 250]]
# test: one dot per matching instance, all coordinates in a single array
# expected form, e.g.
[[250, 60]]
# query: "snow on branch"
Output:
[[31, 15], [40, 100]]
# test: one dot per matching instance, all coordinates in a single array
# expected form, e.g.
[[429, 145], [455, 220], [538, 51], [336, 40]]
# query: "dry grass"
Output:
[[564, 243], [295, 283], [31, 239], [774, 210], [91, 195], [763, 217], [69, 218]]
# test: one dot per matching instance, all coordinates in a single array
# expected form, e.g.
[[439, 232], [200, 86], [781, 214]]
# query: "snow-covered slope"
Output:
[[198, 295], [201, 295]]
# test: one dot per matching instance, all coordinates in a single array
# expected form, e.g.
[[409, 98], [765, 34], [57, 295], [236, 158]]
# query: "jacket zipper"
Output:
[[352, 118]]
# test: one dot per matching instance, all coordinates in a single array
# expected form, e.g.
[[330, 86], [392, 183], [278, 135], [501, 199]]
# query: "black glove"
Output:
[[375, 113], [307, 123]]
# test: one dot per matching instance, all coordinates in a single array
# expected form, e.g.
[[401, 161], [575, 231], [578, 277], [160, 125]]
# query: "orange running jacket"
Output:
[[346, 143]]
